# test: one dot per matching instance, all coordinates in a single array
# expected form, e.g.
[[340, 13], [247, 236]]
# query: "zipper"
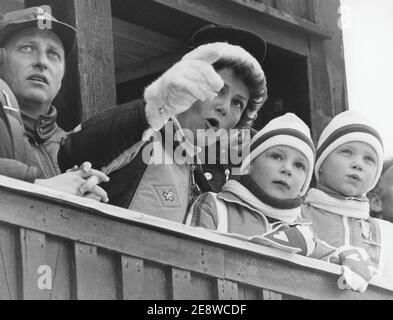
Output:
[[192, 185], [46, 165], [346, 231], [269, 226]]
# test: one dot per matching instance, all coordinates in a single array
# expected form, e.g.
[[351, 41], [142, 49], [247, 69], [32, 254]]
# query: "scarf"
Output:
[[289, 214], [345, 206]]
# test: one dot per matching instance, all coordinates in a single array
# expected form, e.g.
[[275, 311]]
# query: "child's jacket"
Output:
[[346, 221], [237, 210]]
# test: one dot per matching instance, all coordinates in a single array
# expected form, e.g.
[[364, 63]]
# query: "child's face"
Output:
[[350, 169], [280, 172]]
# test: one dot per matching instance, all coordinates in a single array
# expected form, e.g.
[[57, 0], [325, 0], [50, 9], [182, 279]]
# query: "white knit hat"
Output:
[[346, 127], [287, 130]]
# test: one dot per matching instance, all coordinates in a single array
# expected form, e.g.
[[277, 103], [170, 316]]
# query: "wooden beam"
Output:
[[89, 84], [278, 28], [134, 33], [154, 65]]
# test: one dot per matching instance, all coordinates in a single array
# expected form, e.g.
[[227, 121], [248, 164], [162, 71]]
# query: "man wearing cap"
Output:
[[217, 85], [33, 47]]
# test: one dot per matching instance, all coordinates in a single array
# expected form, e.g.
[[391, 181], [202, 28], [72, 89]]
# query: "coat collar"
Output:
[[43, 127], [235, 192]]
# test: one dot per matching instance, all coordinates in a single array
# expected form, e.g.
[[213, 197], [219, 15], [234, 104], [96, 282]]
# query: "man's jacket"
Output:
[[17, 158], [44, 136]]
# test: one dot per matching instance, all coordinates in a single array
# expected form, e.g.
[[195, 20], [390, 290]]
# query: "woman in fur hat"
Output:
[[149, 148]]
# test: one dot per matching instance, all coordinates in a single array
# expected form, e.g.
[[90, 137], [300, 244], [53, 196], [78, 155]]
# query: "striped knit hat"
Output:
[[287, 130], [347, 127]]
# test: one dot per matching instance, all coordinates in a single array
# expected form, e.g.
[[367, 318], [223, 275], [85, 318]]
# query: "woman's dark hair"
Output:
[[256, 86]]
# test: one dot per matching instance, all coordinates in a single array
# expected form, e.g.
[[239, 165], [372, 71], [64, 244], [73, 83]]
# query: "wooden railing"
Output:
[[56, 246]]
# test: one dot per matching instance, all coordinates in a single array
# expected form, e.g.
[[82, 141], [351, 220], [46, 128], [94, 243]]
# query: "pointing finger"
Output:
[[204, 53]]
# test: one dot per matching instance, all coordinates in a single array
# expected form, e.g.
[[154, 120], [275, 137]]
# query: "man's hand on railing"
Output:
[[357, 268], [81, 181]]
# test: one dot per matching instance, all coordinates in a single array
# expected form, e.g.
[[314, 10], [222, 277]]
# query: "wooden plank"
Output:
[[59, 253], [138, 44], [10, 5], [248, 293], [286, 5], [89, 84], [313, 11], [95, 274], [271, 3], [33, 253], [250, 16], [181, 284], [137, 34], [271, 295], [86, 272], [321, 106], [295, 281], [203, 288], [103, 231], [147, 67], [334, 54], [8, 263], [156, 282], [227, 290], [132, 271]]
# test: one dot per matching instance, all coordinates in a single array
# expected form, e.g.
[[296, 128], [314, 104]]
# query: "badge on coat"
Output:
[[167, 195]]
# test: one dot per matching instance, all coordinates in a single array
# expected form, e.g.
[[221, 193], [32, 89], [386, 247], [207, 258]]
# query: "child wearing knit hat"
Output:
[[348, 165], [266, 201]]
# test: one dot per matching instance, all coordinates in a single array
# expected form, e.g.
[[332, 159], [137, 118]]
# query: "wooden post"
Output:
[[227, 290], [89, 85], [181, 284], [33, 253], [132, 272], [8, 263]]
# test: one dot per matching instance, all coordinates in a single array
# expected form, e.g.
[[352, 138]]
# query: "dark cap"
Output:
[[249, 41], [14, 21]]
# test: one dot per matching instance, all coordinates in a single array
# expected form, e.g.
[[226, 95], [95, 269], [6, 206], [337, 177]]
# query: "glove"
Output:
[[181, 86], [295, 238], [357, 268]]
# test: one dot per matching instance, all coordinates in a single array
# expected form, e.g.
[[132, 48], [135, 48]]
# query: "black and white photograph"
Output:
[[196, 155]]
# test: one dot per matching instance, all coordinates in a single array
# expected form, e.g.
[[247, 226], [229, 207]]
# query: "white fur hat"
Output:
[[287, 130], [349, 126]]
